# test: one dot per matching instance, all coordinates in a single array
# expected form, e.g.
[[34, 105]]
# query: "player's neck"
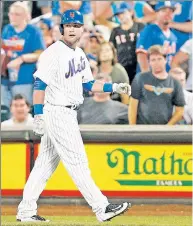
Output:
[[69, 44], [20, 27]]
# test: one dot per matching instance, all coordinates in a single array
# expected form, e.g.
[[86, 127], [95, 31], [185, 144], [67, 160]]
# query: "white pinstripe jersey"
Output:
[[64, 70]]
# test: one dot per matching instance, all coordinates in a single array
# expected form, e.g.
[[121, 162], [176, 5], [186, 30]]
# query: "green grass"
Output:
[[119, 221]]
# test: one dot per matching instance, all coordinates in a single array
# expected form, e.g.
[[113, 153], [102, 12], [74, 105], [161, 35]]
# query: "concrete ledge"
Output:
[[81, 201]]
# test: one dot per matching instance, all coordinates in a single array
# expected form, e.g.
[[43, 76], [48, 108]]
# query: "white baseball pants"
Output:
[[61, 141]]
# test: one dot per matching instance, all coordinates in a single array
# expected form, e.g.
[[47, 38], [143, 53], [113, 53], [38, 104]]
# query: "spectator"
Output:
[[107, 63], [100, 109], [45, 6], [157, 34], [182, 22], [182, 56], [143, 12], [2, 58], [20, 108], [180, 75], [46, 25], [124, 39], [23, 43], [155, 93], [102, 11], [92, 44], [56, 33]]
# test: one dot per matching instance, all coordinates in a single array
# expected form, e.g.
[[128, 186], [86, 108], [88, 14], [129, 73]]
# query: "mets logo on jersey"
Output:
[[75, 69], [72, 14], [158, 90]]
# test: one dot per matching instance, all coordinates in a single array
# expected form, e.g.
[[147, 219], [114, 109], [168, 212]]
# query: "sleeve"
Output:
[[87, 73], [112, 38], [47, 66], [187, 47], [178, 98], [144, 40], [136, 87], [37, 40]]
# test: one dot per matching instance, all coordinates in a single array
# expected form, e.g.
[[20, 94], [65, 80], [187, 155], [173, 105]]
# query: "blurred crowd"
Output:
[[120, 39]]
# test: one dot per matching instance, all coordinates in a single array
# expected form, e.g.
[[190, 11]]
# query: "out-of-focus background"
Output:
[[149, 164]]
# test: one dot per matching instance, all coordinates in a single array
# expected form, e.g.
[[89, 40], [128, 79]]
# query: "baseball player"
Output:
[[63, 72]]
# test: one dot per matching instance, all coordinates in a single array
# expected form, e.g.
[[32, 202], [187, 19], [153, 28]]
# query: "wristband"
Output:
[[108, 87], [38, 109]]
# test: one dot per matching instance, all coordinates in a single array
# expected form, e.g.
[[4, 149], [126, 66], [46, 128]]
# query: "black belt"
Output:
[[73, 107]]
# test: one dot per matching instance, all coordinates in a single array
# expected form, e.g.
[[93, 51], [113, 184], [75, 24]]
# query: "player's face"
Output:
[[72, 33], [180, 75], [16, 16], [19, 110], [106, 53], [165, 16], [125, 17], [157, 63]]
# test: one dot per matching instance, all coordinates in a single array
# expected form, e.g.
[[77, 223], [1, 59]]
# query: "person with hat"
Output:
[[63, 72], [158, 33], [46, 25], [124, 38]]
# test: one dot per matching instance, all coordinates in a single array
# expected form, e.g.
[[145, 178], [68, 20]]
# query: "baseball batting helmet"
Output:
[[71, 16]]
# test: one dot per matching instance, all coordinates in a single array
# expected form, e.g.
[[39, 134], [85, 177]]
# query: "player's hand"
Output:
[[38, 126], [122, 88]]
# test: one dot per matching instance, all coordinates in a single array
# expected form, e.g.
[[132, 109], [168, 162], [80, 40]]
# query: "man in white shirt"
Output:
[[179, 74], [20, 113], [183, 55]]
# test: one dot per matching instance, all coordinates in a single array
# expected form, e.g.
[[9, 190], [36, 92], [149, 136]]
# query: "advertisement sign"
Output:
[[130, 167]]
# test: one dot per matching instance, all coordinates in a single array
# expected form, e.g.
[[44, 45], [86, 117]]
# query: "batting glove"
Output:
[[122, 88], [38, 126]]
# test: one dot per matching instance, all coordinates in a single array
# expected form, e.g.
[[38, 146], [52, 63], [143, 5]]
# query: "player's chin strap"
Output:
[[39, 85], [107, 87]]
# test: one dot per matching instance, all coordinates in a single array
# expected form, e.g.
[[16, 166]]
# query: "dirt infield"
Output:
[[136, 210]]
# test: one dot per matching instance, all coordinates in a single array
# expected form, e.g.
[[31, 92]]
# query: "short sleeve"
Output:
[[112, 38], [136, 87], [187, 47], [178, 98], [87, 73], [144, 40], [47, 66]]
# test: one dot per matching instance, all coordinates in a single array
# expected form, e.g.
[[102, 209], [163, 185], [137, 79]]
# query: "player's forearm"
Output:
[[184, 27], [133, 106], [38, 96], [143, 61], [30, 57], [177, 116]]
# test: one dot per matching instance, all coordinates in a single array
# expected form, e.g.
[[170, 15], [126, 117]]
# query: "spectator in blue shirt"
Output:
[[158, 33], [23, 44], [182, 22]]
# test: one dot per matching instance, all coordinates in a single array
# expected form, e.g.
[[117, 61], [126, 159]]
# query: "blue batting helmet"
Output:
[[71, 16]]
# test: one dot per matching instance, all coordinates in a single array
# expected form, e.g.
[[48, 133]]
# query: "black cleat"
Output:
[[35, 218]]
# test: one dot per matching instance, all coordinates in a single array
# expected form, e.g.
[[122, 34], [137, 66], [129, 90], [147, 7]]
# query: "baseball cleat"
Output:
[[35, 218], [113, 210]]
